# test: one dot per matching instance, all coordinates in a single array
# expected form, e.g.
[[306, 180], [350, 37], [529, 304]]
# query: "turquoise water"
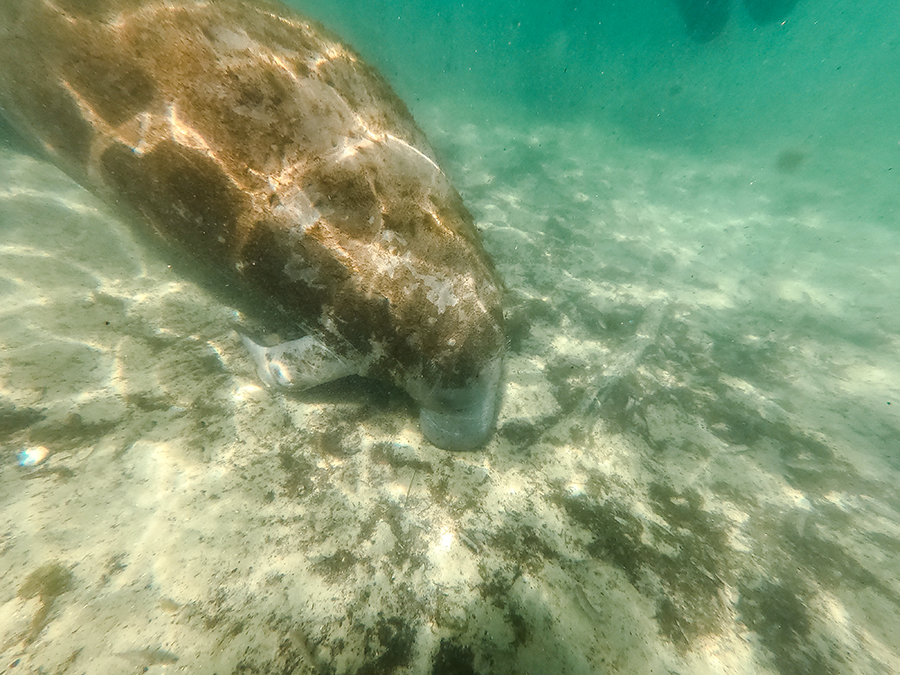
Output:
[[696, 462], [821, 82]]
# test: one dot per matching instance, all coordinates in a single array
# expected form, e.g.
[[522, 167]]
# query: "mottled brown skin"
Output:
[[256, 142]]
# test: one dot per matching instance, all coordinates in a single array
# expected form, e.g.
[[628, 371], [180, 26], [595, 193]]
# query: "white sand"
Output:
[[730, 506]]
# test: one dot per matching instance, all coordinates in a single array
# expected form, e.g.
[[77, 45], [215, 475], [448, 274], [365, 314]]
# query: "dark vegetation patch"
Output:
[[810, 464], [840, 331], [617, 533], [47, 582], [296, 653], [521, 628], [453, 659], [708, 355], [209, 415], [694, 573], [114, 565], [334, 435], [618, 405], [570, 377], [333, 442], [496, 583], [495, 587], [300, 472], [398, 456], [524, 544], [456, 487], [409, 550], [355, 400], [335, 567], [207, 364], [691, 566], [777, 611], [734, 494], [363, 391], [147, 403], [613, 323], [827, 561], [521, 433], [522, 314], [13, 419], [389, 646], [74, 431], [759, 362]]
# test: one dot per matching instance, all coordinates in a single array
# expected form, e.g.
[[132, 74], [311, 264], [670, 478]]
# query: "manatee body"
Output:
[[255, 142]]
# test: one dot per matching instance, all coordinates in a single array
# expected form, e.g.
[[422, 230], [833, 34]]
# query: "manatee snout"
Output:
[[461, 417]]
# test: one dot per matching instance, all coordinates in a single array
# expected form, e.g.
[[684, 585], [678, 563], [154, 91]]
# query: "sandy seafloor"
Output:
[[695, 468]]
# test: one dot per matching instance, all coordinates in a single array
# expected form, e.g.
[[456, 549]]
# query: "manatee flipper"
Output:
[[298, 364]]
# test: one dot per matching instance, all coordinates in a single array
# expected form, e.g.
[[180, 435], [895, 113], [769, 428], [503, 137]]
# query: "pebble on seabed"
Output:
[[33, 456]]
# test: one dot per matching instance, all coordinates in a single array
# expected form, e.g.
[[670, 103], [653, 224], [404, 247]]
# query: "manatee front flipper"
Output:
[[298, 364]]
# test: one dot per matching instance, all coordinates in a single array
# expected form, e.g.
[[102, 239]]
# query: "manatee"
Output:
[[256, 144]]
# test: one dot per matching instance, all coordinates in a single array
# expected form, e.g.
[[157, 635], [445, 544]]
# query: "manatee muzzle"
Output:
[[462, 418]]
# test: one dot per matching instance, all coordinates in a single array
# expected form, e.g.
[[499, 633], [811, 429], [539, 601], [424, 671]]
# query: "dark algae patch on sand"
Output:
[[683, 570], [47, 582]]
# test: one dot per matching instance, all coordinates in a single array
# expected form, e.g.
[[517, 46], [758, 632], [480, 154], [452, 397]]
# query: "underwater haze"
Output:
[[694, 206]]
